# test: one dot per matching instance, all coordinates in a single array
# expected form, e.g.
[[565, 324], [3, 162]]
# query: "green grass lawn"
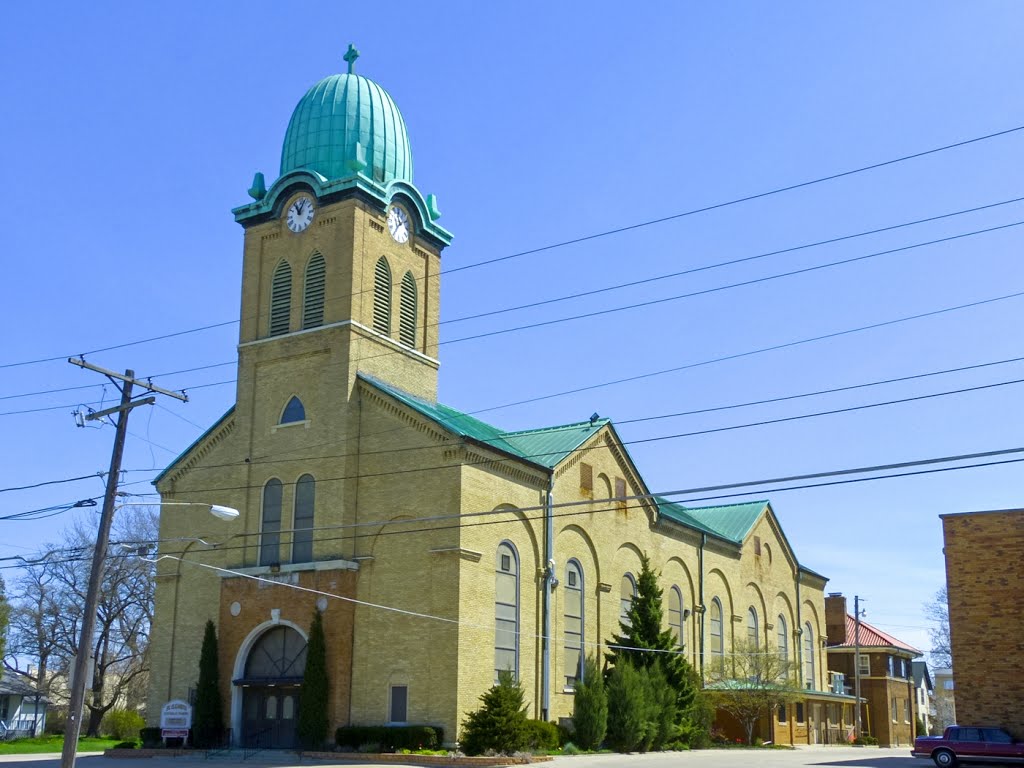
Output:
[[52, 744]]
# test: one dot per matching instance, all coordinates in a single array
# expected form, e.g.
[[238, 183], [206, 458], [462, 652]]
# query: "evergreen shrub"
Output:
[[390, 738], [313, 725], [150, 737], [500, 723], [590, 707], [541, 736], [208, 715]]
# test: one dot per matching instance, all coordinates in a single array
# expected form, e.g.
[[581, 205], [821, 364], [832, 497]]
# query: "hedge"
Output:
[[390, 738]]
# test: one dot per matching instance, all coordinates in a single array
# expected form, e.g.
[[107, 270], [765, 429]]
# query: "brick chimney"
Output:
[[835, 618]]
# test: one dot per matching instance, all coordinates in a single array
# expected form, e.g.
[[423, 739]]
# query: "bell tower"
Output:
[[342, 252]]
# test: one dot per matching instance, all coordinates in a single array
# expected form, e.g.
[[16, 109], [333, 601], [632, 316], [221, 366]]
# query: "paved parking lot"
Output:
[[839, 757]]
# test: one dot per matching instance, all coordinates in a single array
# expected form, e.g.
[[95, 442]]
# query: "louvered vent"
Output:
[[407, 314], [313, 295], [281, 299], [382, 297]]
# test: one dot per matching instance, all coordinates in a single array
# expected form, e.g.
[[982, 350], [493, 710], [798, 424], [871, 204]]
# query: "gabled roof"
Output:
[[731, 521], [872, 637], [922, 678], [193, 444], [545, 447], [16, 684]]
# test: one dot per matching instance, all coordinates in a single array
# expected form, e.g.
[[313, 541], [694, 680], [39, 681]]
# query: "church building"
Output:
[[439, 548]]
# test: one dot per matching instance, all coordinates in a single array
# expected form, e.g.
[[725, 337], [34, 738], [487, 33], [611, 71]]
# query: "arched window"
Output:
[[717, 639], [809, 681], [313, 292], [627, 591], [604, 487], [270, 530], [281, 299], [279, 655], [302, 538], [573, 623], [382, 297], [407, 311], [752, 629], [506, 611], [675, 614], [783, 640], [293, 411]]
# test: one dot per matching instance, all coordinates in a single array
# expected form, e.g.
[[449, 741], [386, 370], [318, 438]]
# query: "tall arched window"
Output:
[[382, 297], [506, 611], [809, 681], [313, 292], [717, 639], [270, 528], [675, 614], [302, 538], [407, 311], [281, 299], [752, 634], [293, 411], [627, 591], [573, 619], [783, 640]]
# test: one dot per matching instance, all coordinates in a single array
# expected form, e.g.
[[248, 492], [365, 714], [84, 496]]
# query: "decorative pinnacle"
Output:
[[350, 56]]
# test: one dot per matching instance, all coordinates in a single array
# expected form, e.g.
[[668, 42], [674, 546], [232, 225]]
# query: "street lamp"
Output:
[[74, 722]]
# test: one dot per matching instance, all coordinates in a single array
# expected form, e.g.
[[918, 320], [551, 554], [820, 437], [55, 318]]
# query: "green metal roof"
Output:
[[732, 521], [546, 446], [345, 125], [193, 444]]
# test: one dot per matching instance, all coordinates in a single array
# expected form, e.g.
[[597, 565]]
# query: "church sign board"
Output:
[[175, 720]]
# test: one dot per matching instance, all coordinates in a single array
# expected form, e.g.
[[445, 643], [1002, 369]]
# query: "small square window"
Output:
[[572, 578], [399, 710], [506, 562]]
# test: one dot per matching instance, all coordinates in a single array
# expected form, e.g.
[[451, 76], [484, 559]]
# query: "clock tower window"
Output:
[[382, 297], [281, 299], [313, 293], [407, 311]]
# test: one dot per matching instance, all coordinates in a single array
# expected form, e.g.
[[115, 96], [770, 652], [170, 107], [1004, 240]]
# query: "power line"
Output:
[[735, 201], [53, 482], [573, 241]]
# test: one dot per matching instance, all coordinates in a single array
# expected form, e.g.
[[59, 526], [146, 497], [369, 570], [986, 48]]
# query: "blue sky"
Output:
[[131, 130]]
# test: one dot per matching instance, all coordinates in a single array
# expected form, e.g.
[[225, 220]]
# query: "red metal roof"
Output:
[[871, 636]]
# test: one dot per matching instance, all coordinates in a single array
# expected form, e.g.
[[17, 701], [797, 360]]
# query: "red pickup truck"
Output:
[[969, 744]]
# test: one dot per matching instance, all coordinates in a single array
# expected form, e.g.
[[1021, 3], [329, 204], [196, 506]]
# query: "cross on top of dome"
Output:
[[350, 56]]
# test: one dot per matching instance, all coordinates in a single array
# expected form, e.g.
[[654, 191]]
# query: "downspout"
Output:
[[700, 593], [549, 583], [800, 633]]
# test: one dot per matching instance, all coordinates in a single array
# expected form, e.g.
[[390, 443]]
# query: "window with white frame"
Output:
[[675, 614], [864, 664], [506, 611], [627, 591], [573, 619], [717, 638], [809, 681]]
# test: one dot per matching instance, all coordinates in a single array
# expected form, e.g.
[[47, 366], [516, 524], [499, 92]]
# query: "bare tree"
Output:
[[48, 614], [758, 682], [32, 631], [937, 612]]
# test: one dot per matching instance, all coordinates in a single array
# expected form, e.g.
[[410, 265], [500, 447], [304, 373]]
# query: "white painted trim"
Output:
[[304, 423], [320, 565], [387, 340]]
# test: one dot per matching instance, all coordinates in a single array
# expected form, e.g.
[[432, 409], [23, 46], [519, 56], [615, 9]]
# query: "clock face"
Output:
[[398, 224], [300, 214]]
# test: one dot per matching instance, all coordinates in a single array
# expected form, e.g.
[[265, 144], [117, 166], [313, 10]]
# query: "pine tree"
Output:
[[590, 707], [500, 723], [644, 644], [312, 725], [629, 708], [208, 717]]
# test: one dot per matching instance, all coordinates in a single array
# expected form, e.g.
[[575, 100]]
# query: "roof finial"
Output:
[[350, 56]]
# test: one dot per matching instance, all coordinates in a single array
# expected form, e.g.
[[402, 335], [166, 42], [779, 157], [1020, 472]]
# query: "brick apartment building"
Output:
[[886, 673], [985, 581]]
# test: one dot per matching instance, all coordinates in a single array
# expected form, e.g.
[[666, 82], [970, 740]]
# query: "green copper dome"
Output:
[[344, 125]]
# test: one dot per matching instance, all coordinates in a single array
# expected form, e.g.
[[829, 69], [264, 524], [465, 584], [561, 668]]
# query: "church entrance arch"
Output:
[[270, 689]]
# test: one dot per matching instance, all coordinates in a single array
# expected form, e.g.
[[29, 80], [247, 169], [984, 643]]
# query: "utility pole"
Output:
[[99, 554], [856, 662]]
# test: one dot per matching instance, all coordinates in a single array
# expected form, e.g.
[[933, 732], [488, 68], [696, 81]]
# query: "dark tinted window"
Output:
[[967, 734], [996, 736]]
